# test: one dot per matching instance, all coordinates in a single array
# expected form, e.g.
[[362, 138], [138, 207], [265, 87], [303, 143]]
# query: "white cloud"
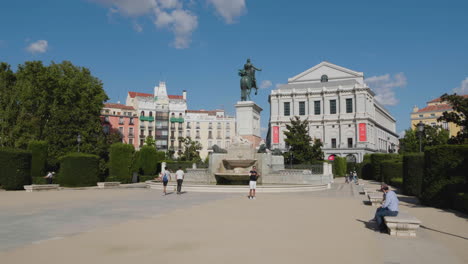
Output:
[[463, 89], [277, 86], [266, 84], [39, 46], [137, 27], [229, 9], [166, 14], [384, 87]]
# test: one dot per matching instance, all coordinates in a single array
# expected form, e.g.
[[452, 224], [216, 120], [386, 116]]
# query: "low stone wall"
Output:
[[296, 177], [197, 176]]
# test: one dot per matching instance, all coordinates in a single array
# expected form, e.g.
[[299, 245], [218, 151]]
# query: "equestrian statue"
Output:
[[248, 81]]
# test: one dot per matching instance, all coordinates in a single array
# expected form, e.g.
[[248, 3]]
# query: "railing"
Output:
[[130, 135], [147, 118], [142, 136], [161, 137]]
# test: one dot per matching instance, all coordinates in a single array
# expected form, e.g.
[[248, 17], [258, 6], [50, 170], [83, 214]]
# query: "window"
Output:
[[188, 125], [142, 132], [131, 121], [151, 113], [287, 110], [302, 108], [150, 133], [432, 115], [218, 136], [349, 105], [332, 107], [210, 134], [333, 142], [198, 125], [421, 115], [228, 134], [187, 133], [198, 134], [350, 142], [219, 125], [228, 126], [142, 113], [121, 121], [142, 141], [316, 107], [130, 131], [210, 125], [106, 129], [180, 133], [130, 141]]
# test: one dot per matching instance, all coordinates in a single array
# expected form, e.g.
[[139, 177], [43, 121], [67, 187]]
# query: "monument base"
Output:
[[248, 121]]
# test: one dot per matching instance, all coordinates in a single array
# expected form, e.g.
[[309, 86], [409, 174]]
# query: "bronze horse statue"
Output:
[[246, 84]]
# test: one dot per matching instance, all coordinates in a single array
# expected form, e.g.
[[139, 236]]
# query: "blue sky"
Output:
[[410, 51]]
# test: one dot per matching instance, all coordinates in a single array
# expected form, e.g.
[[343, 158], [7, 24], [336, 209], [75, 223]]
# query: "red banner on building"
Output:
[[362, 132], [275, 134]]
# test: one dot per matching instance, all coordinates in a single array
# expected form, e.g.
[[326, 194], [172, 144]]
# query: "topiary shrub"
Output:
[[78, 170], [120, 162], [39, 159], [15, 168], [413, 173], [339, 167], [148, 160], [461, 202], [396, 182], [390, 169], [364, 169], [376, 159], [445, 175]]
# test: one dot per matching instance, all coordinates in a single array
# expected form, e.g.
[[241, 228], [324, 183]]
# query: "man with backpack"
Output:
[[166, 177]]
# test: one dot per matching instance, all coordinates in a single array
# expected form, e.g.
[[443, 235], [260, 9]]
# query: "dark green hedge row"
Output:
[[339, 167], [413, 173], [391, 169], [461, 202], [445, 175], [174, 165], [148, 160], [78, 170], [376, 160], [15, 168], [39, 150], [364, 169], [120, 162]]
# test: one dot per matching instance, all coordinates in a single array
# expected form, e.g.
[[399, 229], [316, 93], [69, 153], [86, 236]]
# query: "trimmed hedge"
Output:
[[120, 162], [339, 166], [148, 160], [461, 202], [376, 159], [364, 169], [413, 173], [78, 170], [174, 165], [391, 169], [396, 182], [446, 175], [15, 168], [39, 152]]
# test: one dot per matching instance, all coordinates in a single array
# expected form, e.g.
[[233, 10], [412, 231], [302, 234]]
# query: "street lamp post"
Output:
[[290, 157], [78, 139], [420, 131]]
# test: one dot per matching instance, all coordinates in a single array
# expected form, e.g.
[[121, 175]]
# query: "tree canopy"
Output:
[[431, 136], [53, 103], [191, 150], [299, 142], [458, 116]]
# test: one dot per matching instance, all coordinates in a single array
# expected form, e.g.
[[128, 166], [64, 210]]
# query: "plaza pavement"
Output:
[[141, 226]]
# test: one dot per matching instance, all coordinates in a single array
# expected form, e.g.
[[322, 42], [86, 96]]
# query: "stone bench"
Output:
[[366, 190], [41, 187], [403, 224], [108, 185], [375, 198]]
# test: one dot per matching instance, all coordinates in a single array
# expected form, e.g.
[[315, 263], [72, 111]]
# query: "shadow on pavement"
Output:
[[442, 232], [369, 225]]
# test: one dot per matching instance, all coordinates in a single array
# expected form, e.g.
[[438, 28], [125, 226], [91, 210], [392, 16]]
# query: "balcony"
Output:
[[189, 127], [162, 128], [131, 135], [219, 137], [147, 118], [177, 120], [172, 127], [142, 136], [161, 137]]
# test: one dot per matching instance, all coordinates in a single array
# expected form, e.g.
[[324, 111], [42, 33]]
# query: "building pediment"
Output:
[[332, 71]]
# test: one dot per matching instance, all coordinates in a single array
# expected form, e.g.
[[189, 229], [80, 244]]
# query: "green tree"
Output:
[[191, 150], [53, 103], [149, 141], [458, 116], [299, 142], [431, 136]]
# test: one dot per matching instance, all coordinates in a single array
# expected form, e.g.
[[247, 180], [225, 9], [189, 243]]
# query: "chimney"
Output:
[[184, 95]]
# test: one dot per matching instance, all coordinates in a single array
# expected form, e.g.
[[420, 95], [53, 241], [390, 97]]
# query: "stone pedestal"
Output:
[[248, 121]]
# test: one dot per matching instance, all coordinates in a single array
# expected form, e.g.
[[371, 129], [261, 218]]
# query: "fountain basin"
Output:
[[238, 163]]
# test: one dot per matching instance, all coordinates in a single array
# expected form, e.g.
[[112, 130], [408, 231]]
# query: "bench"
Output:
[[375, 198], [403, 224], [41, 187], [108, 185], [366, 190]]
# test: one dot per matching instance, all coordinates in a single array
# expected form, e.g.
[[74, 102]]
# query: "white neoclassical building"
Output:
[[341, 111]]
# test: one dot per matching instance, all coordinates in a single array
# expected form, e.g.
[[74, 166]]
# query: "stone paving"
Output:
[[140, 225]]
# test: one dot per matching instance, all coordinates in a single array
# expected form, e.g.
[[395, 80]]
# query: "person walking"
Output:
[[253, 182], [166, 177], [49, 177], [180, 179]]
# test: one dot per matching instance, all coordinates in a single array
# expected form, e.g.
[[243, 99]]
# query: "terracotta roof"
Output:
[[134, 94], [435, 108], [438, 99], [119, 106], [209, 112], [175, 97]]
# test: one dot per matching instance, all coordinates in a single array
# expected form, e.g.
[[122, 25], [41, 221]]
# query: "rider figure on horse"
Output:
[[248, 80]]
